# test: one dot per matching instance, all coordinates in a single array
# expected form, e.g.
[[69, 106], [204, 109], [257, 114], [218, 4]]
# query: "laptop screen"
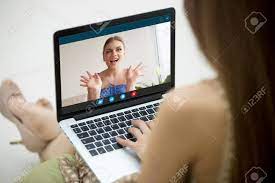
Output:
[[115, 61]]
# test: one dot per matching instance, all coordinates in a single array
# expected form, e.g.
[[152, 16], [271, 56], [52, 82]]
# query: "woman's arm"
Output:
[[171, 147], [93, 93], [130, 86], [167, 145], [188, 132]]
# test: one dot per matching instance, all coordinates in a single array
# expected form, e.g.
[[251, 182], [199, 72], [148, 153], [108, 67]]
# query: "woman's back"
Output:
[[215, 150], [197, 121]]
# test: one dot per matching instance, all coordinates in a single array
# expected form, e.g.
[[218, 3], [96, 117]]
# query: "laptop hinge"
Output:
[[118, 106]]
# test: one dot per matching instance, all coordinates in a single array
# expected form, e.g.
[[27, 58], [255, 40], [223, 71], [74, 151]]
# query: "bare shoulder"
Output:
[[196, 112], [103, 77], [102, 74], [189, 100]]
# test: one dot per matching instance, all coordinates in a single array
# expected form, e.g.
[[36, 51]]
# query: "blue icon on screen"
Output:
[[111, 99], [122, 96], [99, 101]]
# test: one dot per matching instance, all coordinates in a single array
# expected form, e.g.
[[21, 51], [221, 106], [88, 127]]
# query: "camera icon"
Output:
[[255, 175], [245, 109], [254, 22], [175, 101]]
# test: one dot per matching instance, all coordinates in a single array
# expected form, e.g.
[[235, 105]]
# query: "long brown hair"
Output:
[[243, 55]]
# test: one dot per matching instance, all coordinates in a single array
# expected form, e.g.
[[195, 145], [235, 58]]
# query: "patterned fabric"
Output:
[[79, 172], [76, 172], [112, 90]]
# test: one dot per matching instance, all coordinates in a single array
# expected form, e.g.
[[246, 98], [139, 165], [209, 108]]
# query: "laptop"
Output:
[[91, 119]]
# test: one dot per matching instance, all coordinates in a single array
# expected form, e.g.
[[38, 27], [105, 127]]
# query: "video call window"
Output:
[[111, 65]]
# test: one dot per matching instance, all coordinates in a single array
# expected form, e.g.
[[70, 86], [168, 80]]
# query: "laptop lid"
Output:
[[129, 60]]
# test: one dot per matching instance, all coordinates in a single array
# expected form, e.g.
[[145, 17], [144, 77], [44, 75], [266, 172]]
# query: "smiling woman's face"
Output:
[[113, 53]]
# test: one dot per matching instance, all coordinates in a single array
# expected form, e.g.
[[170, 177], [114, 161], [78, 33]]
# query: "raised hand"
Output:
[[90, 81], [133, 73]]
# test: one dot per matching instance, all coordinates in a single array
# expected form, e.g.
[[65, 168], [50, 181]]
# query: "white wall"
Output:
[[163, 35], [27, 27]]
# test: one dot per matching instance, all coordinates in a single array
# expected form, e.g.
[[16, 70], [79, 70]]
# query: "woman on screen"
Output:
[[114, 80]]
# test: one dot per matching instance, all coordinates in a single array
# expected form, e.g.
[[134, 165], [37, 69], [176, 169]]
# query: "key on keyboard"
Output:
[[101, 150], [77, 130], [83, 135], [90, 146], [88, 140]]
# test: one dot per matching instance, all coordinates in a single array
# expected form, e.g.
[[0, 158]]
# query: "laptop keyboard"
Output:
[[98, 135]]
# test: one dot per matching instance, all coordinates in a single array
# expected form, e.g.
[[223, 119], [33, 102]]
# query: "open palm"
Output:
[[132, 74], [91, 81]]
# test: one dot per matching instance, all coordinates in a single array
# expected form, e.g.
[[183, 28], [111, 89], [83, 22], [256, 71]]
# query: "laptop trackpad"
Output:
[[114, 165]]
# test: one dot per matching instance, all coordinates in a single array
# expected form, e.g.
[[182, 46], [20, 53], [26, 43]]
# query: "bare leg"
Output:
[[7, 90], [42, 122], [37, 121], [57, 147], [44, 103]]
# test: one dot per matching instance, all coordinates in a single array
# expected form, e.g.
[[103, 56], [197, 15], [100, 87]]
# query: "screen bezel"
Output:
[[76, 109]]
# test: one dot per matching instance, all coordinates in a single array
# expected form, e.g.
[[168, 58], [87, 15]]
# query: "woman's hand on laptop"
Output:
[[141, 132]]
